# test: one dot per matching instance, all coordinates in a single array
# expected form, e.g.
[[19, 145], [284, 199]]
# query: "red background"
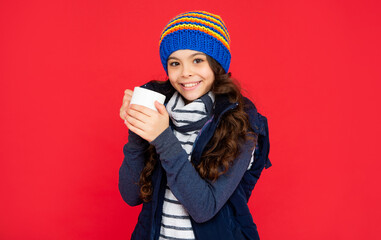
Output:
[[312, 67]]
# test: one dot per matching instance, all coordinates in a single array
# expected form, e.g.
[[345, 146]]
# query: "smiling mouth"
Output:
[[189, 85]]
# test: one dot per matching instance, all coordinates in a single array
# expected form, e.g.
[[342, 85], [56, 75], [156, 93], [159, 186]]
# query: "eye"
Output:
[[173, 64], [198, 60]]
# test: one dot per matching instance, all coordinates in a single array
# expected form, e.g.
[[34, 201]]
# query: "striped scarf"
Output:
[[186, 121]]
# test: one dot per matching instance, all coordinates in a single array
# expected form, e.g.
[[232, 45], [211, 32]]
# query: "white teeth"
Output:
[[188, 85]]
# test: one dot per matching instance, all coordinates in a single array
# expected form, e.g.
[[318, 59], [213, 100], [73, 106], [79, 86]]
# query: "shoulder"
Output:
[[257, 121], [259, 125]]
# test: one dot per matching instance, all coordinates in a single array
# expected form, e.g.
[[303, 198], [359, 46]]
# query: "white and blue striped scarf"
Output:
[[186, 121]]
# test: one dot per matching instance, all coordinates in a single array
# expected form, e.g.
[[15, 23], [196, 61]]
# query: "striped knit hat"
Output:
[[196, 30]]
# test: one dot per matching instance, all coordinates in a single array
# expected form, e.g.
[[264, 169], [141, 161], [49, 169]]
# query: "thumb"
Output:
[[160, 108]]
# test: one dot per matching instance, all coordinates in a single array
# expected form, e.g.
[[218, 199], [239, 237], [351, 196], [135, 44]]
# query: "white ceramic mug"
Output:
[[146, 97]]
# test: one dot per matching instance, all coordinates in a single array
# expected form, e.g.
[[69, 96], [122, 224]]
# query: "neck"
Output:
[[186, 101]]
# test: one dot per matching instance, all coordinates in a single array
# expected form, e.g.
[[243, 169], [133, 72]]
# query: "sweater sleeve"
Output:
[[201, 198], [132, 165]]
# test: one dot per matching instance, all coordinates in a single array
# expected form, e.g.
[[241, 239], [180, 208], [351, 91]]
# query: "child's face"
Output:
[[190, 74]]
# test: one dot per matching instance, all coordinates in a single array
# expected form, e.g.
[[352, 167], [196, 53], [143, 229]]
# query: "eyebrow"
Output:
[[192, 55]]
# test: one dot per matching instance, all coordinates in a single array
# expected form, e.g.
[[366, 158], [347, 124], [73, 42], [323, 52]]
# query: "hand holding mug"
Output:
[[143, 113]]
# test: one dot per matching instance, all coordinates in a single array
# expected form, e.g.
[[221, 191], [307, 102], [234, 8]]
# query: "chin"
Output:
[[189, 99]]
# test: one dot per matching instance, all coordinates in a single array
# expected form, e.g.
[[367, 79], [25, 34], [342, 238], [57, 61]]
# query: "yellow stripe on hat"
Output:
[[197, 20], [215, 18], [197, 28]]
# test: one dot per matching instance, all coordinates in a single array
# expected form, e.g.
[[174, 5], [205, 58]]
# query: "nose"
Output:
[[187, 70]]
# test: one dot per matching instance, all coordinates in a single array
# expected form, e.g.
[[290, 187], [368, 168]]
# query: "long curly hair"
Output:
[[233, 130]]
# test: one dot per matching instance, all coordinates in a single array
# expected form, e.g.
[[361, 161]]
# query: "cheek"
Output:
[[172, 81], [208, 74], [210, 77], [172, 75]]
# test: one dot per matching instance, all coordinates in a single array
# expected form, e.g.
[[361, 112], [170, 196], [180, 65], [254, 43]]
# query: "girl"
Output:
[[194, 162]]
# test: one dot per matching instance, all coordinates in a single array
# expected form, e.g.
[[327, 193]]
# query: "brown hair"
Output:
[[233, 130]]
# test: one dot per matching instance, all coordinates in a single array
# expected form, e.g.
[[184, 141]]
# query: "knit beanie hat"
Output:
[[199, 31]]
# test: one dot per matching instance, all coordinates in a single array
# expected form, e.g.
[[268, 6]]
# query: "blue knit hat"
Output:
[[196, 30]]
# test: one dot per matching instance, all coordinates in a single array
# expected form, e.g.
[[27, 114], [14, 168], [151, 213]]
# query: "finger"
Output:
[[126, 101], [134, 129], [128, 92], [138, 115], [127, 95], [136, 122], [122, 114], [124, 108], [123, 111], [161, 108], [145, 110]]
